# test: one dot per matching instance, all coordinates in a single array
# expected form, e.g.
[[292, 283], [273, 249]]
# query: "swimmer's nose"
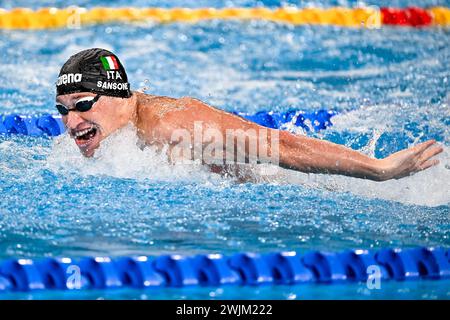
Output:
[[73, 120]]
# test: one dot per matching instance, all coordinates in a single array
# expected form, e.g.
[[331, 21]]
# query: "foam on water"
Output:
[[120, 156], [426, 188], [429, 187]]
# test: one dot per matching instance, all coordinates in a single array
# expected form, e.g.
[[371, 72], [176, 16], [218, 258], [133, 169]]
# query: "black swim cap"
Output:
[[93, 70]]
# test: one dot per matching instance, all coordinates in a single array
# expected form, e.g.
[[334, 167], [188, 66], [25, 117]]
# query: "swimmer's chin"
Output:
[[88, 153]]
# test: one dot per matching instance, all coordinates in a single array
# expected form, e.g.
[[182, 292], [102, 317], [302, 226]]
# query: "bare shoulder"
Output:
[[160, 115], [162, 106], [183, 110]]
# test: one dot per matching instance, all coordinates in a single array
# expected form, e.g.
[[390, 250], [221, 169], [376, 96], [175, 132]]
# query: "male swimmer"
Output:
[[94, 99]]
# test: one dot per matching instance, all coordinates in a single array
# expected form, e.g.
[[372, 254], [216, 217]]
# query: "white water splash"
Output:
[[120, 156], [428, 188]]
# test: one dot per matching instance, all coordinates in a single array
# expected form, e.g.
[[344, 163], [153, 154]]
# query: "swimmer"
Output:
[[95, 100]]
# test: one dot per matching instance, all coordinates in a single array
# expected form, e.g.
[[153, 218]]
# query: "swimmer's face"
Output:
[[89, 128]]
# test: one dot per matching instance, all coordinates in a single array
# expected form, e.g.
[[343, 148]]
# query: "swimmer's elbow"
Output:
[[294, 152]]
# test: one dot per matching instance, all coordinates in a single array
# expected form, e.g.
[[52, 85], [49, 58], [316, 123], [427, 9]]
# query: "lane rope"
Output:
[[52, 125], [281, 268], [369, 17]]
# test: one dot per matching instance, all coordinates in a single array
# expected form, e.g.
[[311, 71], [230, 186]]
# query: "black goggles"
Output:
[[81, 105]]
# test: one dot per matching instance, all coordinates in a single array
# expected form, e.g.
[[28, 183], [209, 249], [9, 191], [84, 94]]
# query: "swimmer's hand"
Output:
[[409, 161]]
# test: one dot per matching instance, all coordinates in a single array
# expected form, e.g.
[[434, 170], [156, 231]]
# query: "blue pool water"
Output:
[[390, 86]]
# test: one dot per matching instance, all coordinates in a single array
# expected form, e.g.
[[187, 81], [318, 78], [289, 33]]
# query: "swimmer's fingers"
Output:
[[429, 153], [428, 164], [426, 151], [420, 148], [409, 161]]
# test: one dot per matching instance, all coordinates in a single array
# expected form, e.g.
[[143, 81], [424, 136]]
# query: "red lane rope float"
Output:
[[369, 17], [412, 16]]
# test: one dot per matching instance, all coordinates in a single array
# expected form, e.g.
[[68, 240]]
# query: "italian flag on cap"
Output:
[[109, 63]]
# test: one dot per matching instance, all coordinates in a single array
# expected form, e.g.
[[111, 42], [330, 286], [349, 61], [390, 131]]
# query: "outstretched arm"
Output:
[[303, 153], [313, 155]]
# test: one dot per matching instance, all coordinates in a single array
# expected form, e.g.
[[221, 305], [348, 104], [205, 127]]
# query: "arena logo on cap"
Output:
[[69, 78], [109, 63]]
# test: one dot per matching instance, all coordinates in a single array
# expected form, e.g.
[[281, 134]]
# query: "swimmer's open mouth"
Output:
[[87, 138], [85, 134]]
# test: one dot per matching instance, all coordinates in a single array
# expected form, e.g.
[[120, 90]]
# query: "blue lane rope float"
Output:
[[51, 125], [281, 268], [316, 120], [35, 125]]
